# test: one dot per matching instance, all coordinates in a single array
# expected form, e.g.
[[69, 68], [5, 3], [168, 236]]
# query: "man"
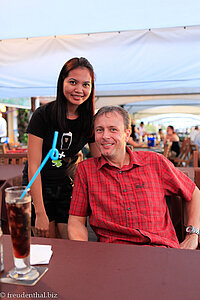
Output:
[[124, 192]]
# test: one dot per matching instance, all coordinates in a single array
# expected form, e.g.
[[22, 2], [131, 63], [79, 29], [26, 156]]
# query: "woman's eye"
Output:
[[73, 82], [86, 85]]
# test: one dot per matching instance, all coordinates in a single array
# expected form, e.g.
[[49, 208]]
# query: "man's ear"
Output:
[[128, 133]]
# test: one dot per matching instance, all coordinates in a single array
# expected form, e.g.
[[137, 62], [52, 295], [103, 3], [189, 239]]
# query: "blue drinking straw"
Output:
[[53, 153]]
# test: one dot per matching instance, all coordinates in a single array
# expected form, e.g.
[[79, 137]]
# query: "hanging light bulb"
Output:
[[2, 108]]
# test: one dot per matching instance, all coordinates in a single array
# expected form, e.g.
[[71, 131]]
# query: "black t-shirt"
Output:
[[68, 145]]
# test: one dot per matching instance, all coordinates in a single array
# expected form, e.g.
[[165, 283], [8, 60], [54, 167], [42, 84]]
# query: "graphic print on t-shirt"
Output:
[[66, 140], [58, 163]]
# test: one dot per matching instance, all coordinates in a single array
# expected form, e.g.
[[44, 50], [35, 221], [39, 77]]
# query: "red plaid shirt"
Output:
[[128, 205]]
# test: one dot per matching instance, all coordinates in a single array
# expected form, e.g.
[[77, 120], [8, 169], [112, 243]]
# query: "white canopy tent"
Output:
[[137, 48]]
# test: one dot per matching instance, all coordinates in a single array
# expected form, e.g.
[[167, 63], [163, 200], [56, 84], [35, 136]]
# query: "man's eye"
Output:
[[98, 130], [113, 129]]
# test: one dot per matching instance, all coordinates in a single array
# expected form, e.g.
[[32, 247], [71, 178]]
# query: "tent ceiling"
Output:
[[161, 64], [167, 110], [143, 62], [22, 18], [133, 103]]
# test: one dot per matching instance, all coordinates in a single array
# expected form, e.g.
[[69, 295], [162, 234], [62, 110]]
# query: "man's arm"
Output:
[[77, 229], [193, 214]]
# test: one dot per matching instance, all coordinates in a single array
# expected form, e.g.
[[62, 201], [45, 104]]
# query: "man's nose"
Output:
[[106, 134]]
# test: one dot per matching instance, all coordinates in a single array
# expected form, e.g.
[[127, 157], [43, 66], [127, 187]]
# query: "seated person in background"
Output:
[[134, 131], [161, 134], [173, 137], [132, 139], [123, 192]]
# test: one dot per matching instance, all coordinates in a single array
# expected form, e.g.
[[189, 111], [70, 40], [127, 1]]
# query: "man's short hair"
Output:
[[110, 109]]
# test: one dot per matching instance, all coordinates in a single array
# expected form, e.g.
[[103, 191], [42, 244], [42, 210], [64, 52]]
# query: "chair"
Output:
[[188, 152], [167, 149], [177, 209], [3, 148], [3, 212]]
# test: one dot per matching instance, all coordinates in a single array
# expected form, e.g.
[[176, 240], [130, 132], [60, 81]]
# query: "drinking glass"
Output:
[[19, 218]]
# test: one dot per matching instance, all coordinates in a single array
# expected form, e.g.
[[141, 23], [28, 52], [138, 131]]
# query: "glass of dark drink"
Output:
[[19, 218]]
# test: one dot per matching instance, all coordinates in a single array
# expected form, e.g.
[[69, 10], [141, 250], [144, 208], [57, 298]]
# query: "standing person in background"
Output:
[[197, 140], [3, 129], [71, 115], [172, 137], [142, 131], [194, 133]]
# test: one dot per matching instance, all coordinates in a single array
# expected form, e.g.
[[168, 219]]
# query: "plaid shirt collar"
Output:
[[135, 160]]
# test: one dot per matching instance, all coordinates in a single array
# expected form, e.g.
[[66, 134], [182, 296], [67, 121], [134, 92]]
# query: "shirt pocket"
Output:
[[147, 199]]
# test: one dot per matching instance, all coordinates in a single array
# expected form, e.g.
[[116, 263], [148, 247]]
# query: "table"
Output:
[[96, 271], [10, 175], [157, 149]]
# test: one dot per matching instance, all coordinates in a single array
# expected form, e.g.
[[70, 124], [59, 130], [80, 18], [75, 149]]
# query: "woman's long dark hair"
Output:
[[85, 110]]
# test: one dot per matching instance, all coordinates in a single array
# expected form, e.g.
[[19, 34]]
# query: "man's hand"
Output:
[[190, 242]]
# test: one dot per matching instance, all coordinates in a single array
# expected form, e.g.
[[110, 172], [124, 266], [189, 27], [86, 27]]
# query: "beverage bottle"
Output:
[[1, 250]]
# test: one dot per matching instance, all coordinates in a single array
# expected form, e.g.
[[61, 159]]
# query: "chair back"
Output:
[[167, 149]]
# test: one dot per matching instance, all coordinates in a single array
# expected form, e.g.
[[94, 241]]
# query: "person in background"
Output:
[[3, 129], [134, 137], [161, 134], [134, 131], [71, 115], [124, 192], [142, 131], [172, 137], [194, 133], [197, 140]]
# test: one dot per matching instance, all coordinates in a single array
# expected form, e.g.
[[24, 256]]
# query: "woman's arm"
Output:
[[34, 160], [135, 144]]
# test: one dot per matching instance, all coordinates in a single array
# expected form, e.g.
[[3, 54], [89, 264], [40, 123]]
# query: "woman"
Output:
[[71, 115], [173, 137]]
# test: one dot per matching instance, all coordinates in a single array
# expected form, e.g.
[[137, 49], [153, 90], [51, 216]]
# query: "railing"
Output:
[[13, 158]]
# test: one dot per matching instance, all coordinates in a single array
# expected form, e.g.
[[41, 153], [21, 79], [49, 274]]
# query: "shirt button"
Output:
[[120, 172], [124, 190], [128, 208]]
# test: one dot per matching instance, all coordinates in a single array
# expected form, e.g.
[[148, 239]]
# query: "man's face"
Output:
[[110, 135]]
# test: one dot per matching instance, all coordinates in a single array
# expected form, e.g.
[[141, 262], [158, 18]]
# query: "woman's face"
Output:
[[77, 86], [169, 130]]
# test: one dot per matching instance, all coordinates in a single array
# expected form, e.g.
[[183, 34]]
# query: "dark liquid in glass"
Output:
[[19, 226]]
